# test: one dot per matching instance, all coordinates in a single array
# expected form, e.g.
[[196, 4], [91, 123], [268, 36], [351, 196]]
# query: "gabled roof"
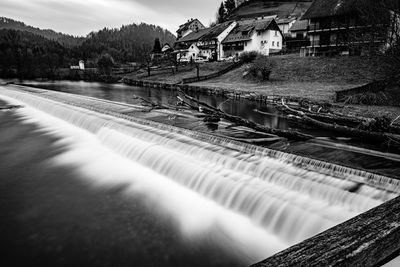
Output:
[[193, 36], [186, 25], [245, 28], [285, 20], [215, 31], [300, 25]]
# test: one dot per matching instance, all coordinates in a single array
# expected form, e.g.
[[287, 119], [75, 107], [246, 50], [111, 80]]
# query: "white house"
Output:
[[261, 35], [190, 26], [285, 24], [207, 43], [81, 64], [191, 53], [210, 44]]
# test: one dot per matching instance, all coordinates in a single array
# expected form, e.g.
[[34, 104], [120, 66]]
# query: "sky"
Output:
[[80, 17]]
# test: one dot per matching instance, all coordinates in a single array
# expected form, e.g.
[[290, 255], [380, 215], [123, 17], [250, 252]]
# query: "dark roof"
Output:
[[285, 20], [300, 25], [186, 25], [193, 36], [215, 31], [245, 28]]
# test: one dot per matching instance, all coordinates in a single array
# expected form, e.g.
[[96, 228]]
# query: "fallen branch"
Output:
[[150, 103], [347, 131], [206, 108]]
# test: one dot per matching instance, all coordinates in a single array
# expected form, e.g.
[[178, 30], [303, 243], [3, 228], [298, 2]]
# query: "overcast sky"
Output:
[[79, 17]]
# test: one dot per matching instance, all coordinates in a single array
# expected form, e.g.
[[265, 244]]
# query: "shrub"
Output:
[[247, 57], [378, 124], [105, 62], [262, 67]]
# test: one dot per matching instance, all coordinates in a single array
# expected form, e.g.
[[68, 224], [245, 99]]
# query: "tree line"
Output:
[[27, 55]]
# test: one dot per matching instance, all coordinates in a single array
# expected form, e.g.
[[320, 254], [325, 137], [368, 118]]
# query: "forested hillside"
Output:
[[25, 54], [129, 43], [26, 51], [64, 39]]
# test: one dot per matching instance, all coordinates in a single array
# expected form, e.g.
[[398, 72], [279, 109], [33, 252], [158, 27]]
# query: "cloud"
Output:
[[79, 17]]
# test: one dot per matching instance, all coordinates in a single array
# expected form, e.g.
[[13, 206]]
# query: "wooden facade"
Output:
[[343, 30]]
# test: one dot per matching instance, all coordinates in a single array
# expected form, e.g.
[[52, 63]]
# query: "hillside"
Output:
[[64, 39], [282, 8], [24, 54], [310, 77], [129, 43], [29, 52]]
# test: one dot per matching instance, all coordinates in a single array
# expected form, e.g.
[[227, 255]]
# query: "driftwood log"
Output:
[[345, 130], [208, 109]]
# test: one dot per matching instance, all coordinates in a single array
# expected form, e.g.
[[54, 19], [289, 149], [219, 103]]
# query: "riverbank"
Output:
[[293, 78]]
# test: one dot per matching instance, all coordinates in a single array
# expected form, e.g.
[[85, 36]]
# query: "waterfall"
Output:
[[268, 196]]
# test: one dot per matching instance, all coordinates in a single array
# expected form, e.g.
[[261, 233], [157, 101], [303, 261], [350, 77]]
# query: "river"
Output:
[[82, 188]]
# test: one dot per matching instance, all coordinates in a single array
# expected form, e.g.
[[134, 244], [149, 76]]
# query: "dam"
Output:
[[243, 202]]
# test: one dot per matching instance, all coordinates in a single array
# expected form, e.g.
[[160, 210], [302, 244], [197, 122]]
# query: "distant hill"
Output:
[[30, 52], [282, 8], [126, 44], [64, 39]]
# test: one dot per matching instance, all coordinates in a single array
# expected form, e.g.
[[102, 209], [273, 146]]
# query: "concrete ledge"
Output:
[[366, 240]]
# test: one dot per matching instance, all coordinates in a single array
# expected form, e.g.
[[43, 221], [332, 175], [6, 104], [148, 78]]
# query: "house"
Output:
[[186, 47], [285, 24], [204, 44], [166, 49], [346, 27], [190, 26], [261, 35], [81, 64], [210, 44], [297, 36]]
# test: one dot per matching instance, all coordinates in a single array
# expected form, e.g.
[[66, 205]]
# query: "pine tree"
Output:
[[221, 15], [157, 46], [229, 6]]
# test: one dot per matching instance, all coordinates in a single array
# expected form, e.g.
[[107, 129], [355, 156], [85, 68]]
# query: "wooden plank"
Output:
[[366, 240]]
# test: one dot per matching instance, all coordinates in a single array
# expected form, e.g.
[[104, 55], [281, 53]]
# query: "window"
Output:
[[273, 43], [277, 44], [276, 33], [194, 54]]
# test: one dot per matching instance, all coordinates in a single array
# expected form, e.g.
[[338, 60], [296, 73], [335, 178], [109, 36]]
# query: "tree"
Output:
[[157, 46], [221, 14], [229, 6], [105, 63]]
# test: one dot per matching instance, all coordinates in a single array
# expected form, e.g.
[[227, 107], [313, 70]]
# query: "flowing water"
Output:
[[191, 192], [254, 111]]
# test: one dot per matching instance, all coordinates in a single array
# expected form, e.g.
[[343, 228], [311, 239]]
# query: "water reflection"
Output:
[[123, 93]]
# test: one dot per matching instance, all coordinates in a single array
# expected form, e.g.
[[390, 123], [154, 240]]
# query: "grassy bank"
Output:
[[315, 78], [166, 75]]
